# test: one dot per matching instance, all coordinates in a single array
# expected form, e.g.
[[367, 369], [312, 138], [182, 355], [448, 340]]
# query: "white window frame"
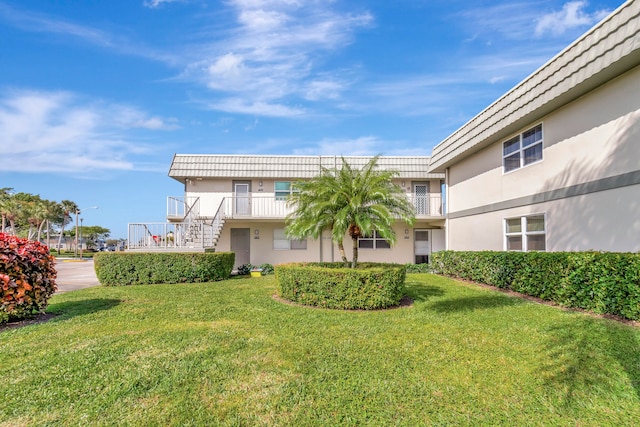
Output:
[[524, 234], [289, 192], [281, 243], [520, 151], [375, 238]]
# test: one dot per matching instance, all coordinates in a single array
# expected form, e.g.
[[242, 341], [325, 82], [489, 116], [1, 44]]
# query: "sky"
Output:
[[97, 96]]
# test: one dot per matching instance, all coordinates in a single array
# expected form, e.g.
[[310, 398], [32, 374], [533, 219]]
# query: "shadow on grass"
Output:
[[69, 309], [63, 311], [582, 353], [478, 302], [422, 292]]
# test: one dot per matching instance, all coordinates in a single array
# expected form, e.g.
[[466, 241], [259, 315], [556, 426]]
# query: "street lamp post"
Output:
[[80, 238], [78, 212]]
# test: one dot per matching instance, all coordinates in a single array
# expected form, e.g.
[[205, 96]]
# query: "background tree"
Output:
[[67, 207], [92, 233], [349, 201], [52, 214], [5, 194], [10, 208]]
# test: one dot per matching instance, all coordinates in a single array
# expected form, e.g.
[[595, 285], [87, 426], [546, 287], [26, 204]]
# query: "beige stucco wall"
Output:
[[605, 221], [262, 245], [596, 136]]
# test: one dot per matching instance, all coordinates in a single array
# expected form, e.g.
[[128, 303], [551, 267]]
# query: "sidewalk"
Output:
[[75, 274]]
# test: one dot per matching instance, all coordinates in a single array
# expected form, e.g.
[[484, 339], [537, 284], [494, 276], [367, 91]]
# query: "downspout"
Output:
[[447, 245]]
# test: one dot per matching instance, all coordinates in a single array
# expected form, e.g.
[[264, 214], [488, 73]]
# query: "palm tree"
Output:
[[5, 194], [352, 201], [36, 212], [10, 209], [51, 211], [68, 207]]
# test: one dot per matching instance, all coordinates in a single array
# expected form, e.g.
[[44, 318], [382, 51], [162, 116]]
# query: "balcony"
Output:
[[266, 206]]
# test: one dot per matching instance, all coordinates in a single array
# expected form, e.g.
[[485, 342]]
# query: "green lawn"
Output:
[[227, 353]]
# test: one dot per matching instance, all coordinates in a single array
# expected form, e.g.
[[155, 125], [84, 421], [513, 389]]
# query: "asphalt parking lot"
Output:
[[75, 274]]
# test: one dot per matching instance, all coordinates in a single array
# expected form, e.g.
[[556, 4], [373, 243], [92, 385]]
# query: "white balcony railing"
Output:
[[167, 235], [179, 208], [267, 206], [263, 206], [428, 205]]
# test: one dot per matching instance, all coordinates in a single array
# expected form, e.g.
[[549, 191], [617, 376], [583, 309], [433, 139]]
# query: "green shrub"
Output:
[[244, 269], [27, 278], [418, 268], [266, 268], [330, 285], [602, 282], [131, 268]]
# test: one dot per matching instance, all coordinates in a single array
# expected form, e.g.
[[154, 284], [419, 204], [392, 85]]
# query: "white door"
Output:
[[421, 246], [241, 191], [421, 198]]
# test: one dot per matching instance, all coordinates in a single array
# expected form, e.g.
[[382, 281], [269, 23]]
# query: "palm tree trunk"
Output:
[[64, 222], [343, 254], [354, 262], [40, 227]]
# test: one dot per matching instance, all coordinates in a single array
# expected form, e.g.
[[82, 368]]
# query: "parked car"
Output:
[[111, 248]]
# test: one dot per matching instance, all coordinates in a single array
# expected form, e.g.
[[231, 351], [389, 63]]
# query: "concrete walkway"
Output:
[[75, 274]]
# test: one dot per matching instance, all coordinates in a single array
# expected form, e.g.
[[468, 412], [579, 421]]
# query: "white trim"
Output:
[[523, 233], [522, 149]]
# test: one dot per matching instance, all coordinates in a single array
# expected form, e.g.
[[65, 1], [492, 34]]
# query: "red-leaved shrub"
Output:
[[27, 277]]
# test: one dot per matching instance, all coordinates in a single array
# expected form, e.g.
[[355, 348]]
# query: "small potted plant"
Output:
[[256, 272]]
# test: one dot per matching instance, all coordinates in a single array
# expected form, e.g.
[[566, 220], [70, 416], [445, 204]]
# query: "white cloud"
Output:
[[60, 132], [571, 16], [261, 20], [157, 3], [41, 23], [510, 20], [273, 56], [513, 20], [256, 108], [323, 89], [36, 22], [362, 146]]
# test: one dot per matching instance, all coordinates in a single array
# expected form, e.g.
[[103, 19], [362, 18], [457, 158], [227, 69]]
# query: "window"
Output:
[[283, 189], [526, 233], [523, 149], [280, 241], [373, 242]]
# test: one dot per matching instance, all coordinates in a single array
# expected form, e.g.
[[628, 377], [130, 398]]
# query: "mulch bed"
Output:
[[38, 318]]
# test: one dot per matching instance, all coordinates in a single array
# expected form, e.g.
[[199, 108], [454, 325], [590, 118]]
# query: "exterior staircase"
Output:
[[185, 229]]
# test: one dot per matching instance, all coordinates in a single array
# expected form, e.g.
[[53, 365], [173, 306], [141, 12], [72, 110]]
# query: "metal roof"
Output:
[[186, 166], [608, 50]]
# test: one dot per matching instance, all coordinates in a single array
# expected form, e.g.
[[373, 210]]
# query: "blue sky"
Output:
[[96, 97]]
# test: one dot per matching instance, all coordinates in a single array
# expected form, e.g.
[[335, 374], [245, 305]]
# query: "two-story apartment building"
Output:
[[552, 165], [239, 203]]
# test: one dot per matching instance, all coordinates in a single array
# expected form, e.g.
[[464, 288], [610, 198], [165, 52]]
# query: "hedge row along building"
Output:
[[552, 165]]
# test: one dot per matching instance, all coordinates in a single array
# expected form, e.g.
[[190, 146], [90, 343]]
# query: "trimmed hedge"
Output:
[[418, 268], [601, 282], [131, 268], [27, 277], [370, 286]]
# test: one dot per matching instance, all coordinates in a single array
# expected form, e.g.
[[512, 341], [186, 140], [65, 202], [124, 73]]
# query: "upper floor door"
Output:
[[241, 197], [421, 197]]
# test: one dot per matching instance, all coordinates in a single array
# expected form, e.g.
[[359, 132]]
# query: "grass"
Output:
[[227, 353]]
